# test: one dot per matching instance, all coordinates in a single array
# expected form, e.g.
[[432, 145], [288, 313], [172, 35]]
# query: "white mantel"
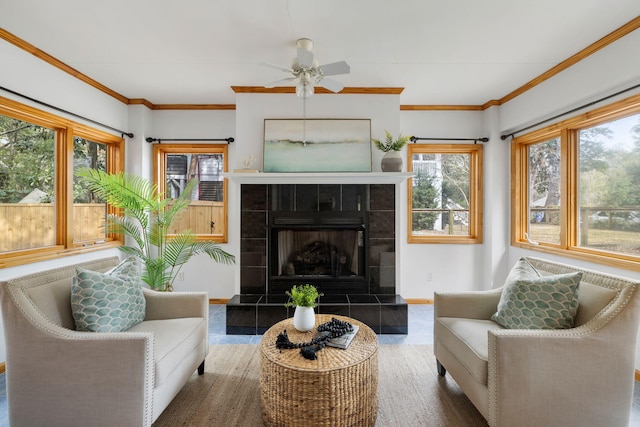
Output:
[[320, 178]]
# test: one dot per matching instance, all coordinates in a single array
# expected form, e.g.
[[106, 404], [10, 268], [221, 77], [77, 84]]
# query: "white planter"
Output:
[[391, 162], [304, 319]]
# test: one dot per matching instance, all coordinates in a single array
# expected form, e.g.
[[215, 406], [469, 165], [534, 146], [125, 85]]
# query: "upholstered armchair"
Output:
[[58, 376], [579, 376]]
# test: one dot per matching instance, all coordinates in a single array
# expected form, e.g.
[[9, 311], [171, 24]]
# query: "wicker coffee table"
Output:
[[339, 388]]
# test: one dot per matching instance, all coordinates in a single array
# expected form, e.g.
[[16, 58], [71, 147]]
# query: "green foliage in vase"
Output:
[[303, 295], [146, 218], [389, 144]]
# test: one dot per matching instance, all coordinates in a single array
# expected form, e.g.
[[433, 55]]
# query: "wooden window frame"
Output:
[[567, 131], [475, 151], [159, 176], [65, 130]]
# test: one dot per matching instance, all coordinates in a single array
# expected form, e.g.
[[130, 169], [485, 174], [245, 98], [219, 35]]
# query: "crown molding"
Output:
[[151, 106], [610, 38], [321, 90], [141, 101], [194, 107], [605, 41], [441, 107], [44, 56]]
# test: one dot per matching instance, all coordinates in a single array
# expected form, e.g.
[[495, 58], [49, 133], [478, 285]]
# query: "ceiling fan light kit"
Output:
[[306, 70]]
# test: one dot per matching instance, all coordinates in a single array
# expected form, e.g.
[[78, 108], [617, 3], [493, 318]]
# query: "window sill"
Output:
[[582, 255], [12, 260]]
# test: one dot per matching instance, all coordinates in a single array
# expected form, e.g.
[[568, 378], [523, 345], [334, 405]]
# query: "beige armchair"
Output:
[[583, 376], [57, 376]]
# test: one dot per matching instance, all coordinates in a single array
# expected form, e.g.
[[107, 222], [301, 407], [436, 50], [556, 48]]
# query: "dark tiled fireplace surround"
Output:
[[367, 292]]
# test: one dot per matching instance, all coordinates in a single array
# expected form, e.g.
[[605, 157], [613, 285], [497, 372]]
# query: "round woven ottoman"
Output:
[[339, 388]]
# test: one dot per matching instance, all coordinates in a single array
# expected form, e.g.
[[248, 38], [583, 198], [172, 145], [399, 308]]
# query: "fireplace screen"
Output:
[[319, 252]]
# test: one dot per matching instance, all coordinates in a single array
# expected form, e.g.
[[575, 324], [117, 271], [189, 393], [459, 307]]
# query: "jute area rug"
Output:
[[410, 391]]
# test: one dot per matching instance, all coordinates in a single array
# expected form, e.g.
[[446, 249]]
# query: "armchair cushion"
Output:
[[175, 339], [532, 301], [467, 339], [108, 302]]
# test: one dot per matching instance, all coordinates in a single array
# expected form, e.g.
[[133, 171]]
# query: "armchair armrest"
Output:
[[173, 305], [469, 305], [42, 354], [528, 364]]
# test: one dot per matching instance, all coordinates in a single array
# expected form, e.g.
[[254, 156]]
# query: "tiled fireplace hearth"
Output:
[[338, 237]]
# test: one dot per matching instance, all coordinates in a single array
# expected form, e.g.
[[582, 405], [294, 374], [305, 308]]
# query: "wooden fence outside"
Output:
[[32, 225], [202, 217], [25, 226]]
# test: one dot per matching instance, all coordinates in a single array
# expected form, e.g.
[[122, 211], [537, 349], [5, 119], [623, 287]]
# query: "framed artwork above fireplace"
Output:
[[317, 145]]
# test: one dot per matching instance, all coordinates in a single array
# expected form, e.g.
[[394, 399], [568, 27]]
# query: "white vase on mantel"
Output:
[[391, 161], [304, 318]]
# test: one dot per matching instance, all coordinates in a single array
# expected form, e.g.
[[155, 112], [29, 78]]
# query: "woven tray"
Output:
[[339, 388]]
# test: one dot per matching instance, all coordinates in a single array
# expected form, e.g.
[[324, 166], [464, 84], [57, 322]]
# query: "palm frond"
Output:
[[124, 226], [156, 231], [155, 274], [129, 250], [214, 251], [132, 193], [179, 248], [173, 207]]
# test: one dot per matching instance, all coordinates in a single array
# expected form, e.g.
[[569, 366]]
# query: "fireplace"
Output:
[[325, 249], [338, 237], [363, 260]]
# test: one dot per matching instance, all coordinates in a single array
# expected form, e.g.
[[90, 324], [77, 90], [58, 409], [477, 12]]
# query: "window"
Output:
[[544, 191], [177, 164], [445, 194], [38, 154], [575, 186]]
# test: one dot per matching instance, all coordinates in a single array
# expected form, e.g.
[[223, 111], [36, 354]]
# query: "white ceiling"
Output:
[[455, 52]]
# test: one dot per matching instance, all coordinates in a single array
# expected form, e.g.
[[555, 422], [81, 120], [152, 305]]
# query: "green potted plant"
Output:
[[392, 159], [146, 217], [304, 299]]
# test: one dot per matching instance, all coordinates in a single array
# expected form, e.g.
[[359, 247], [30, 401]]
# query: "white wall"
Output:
[[452, 267], [604, 73], [420, 261], [24, 73], [201, 273]]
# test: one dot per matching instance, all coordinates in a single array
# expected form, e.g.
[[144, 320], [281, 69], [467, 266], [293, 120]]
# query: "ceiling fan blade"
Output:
[[277, 67], [332, 85], [335, 68], [305, 57], [281, 82]]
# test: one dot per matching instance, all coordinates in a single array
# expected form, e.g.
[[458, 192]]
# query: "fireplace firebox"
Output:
[[339, 237], [325, 249]]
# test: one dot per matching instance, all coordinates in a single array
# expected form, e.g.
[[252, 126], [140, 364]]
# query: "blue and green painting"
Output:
[[317, 145]]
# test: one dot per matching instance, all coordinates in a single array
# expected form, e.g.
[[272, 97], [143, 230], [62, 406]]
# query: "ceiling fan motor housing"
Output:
[[306, 68], [306, 44]]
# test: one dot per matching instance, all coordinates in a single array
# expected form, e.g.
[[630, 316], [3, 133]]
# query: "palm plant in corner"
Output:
[[146, 217]]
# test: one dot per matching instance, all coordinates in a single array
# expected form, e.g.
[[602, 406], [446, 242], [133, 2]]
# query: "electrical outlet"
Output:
[[429, 277], [180, 276]]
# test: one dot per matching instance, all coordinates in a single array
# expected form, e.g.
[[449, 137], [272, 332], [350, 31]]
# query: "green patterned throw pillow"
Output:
[[108, 302], [532, 301]]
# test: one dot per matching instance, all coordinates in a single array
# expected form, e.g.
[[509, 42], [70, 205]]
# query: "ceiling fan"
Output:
[[306, 70]]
